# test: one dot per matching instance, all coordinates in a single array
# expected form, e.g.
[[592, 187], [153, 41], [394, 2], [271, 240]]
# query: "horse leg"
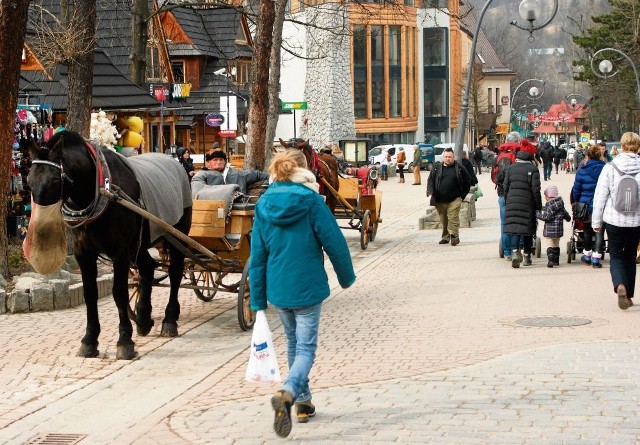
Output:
[[172, 311], [89, 270], [146, 267], [125, 347]]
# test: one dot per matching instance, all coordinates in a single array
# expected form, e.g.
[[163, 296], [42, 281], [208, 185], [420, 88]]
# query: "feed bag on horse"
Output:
[[45, 246]]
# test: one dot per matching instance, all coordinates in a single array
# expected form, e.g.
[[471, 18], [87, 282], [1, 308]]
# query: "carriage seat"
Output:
[[243, 206]]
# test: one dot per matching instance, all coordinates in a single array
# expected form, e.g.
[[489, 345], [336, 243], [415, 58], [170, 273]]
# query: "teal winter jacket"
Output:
[[292, 226]]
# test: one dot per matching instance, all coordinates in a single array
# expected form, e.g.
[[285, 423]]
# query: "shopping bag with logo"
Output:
[[263, 363]]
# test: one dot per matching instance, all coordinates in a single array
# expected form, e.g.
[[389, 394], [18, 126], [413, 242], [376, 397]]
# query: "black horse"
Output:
[[69, 170]]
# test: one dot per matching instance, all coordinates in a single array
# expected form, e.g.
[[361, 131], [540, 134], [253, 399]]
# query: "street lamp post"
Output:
[[529, 10], [534, 93], [606, 67], [574, 102]]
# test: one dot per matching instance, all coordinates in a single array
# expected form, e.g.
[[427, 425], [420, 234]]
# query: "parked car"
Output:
[[377, 154], [428, 156], [439, 148]]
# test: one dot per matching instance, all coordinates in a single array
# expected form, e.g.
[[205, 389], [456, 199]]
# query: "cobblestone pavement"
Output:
[[427, 347]]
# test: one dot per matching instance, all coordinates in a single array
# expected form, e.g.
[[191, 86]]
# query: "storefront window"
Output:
[[360, 71], [377, 71], [395, 72]]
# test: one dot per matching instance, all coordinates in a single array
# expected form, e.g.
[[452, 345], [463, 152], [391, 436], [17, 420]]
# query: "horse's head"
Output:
[[300, 144], [46, 176]]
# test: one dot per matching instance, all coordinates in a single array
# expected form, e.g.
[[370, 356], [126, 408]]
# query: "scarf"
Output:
[[304, 177]]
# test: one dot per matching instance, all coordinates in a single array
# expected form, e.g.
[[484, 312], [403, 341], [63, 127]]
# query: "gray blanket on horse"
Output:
[[165, 188]]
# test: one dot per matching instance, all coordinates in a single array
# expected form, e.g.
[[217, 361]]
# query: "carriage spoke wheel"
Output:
[[246, 317], [374, 228], [365, 229], [206, 282], [134, 292]]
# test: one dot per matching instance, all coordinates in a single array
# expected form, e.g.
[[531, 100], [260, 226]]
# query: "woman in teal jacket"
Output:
[[292, 226]]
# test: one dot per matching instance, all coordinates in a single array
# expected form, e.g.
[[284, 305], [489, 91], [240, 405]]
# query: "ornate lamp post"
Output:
[[534, 93], [606, 67], [529, 10], [571, 98]]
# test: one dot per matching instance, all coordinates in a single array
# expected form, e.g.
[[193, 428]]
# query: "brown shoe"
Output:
[[416, 183], [281, 403], [623, 301], [305, 410], [455, 240], [630, 301]]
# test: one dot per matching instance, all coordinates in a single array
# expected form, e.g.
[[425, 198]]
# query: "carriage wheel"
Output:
[[500, 249], [569, 251], [246, 317], [134, 292], [538, 247], [374, 227], [365, 229], [206, 281]]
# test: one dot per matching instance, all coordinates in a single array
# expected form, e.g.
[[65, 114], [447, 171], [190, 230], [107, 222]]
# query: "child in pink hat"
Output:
[[553, 214]]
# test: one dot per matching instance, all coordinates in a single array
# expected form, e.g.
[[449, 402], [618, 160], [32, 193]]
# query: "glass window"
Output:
[[178, 71], [435, 3], [360, 71], [435, 47], [435, 97], [377, 71], [395, 72]]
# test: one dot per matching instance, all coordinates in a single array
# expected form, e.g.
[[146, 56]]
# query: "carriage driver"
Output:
[[218, 171]]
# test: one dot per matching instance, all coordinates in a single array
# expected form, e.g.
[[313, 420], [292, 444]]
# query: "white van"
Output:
[[439, 148], [377, 154]]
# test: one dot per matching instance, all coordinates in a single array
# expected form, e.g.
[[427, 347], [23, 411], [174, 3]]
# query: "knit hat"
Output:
[[551, 191], [216, 154]]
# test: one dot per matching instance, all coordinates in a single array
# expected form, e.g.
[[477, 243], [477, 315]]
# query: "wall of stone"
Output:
[[328, 93]]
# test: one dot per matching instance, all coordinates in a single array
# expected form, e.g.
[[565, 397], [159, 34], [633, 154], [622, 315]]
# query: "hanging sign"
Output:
[[214, 119], [285, 106], [227, 133]]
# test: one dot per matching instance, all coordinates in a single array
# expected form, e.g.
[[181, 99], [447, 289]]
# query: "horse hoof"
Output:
[[126, 352], [88, 351], [169, 330], [144, 329]]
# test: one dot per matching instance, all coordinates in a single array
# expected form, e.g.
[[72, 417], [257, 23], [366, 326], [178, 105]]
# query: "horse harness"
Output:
[[77, 218]]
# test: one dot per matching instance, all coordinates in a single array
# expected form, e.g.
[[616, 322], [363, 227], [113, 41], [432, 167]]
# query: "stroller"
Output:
[[576, 242]]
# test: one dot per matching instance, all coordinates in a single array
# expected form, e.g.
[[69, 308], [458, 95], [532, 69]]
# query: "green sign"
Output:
[[293, 106]]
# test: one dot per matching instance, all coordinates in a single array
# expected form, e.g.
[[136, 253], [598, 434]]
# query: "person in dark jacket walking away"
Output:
[[512, 144], [292, 230], [557, 158], [448, 184], [583, 190], [522, 199], [546, 155], [466, 163], [553, 215], [477, 160]]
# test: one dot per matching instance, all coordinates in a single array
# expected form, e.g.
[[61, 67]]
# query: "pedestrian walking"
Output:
[[291, 229], [616, 209], [401, 159], [522, 199], [417, 163], [384, 167], [511, 146], [584, 187], [477, 160], [557, 158], [466, 163], [553, 214], [546, 154], [447, 186]]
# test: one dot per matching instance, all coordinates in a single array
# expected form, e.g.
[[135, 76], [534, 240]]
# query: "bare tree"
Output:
[[13, 21]]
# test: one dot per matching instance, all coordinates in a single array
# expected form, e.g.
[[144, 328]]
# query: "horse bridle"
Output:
[[77, 218]]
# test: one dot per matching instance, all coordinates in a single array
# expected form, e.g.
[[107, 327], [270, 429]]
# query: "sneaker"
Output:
[[281, 403], [305, 410], [455, 240], [586, 259], [623, 301], [595, 262]]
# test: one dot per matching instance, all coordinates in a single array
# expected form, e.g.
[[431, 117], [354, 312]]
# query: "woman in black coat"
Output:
[[522, 199]]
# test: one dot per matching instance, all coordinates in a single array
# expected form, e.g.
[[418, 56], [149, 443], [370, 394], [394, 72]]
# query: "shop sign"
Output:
[[181, 90], [286, 106], [227, 133], [214, 119]]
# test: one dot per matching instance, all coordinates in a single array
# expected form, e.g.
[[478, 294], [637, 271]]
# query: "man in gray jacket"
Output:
[[218, 172]]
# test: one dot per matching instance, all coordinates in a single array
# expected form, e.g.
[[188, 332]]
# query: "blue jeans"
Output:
[[301, 327], [548, 167], [522, 241], [506, 239], [623, 245]]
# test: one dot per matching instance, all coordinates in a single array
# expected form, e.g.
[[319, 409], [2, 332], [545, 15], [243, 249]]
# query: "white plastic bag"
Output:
[[263, 363]]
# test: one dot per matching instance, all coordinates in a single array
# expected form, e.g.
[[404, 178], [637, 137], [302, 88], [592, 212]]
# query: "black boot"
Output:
[[527, 259], [556, 256], [550, 256]]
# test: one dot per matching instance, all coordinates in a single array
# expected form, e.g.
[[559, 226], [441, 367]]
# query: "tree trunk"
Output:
[[259, 81], [274, 80], [139, 14], [13, 21], [83, 15]]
